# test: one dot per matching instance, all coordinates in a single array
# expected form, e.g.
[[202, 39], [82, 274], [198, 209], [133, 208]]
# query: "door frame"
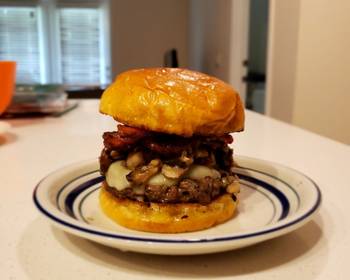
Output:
[[239, 39]]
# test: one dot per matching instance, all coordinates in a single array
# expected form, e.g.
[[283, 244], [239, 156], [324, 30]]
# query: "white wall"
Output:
[[142, 31], [309, 65], [322, 92]]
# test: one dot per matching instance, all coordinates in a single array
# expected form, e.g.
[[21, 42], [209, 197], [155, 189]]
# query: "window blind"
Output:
[[19, 41], [79, 43]]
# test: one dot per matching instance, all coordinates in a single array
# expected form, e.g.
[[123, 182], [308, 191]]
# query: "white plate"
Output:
[[274, 200], [4, 127]]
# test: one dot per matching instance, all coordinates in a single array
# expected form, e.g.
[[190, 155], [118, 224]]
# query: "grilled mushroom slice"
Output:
[[134, 160], [233, 188], [173, 172], [186, 159], [142, 174]]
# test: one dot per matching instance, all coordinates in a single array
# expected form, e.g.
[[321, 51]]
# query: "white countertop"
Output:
[[30, 248]]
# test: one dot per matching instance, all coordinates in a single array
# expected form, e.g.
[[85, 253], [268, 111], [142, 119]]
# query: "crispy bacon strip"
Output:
[[167, 147], [112, 140], [134, 132], [228, 139], [126, 137]]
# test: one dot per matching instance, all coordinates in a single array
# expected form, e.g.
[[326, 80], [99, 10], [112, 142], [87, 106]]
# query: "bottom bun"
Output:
[[166, 217]]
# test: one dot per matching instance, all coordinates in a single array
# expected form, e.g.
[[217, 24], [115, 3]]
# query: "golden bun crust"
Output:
[[166, 218], [175, 101]]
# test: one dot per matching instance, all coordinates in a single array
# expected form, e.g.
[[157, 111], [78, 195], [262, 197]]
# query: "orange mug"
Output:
[[7, 83]]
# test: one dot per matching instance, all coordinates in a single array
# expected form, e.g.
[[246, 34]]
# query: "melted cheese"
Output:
[[197, 172], [116, 175], [160, 180]]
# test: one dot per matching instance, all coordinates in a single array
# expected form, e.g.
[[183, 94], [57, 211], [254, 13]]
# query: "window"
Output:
[[19, 40], [79, 34], [56, 41]]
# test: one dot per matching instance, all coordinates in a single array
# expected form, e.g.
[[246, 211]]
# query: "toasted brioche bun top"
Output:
[[174, 101]]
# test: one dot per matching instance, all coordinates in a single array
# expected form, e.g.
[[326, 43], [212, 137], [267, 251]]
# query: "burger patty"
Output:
[[147, 154], [200, 191]]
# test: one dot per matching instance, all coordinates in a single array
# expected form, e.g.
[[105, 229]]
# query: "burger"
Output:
[[168, 165]]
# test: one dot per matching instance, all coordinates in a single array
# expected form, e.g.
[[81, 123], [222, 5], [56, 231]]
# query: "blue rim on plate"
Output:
[[92, 182]]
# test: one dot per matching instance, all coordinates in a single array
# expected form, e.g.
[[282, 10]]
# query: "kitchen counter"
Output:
[[33, 249]]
